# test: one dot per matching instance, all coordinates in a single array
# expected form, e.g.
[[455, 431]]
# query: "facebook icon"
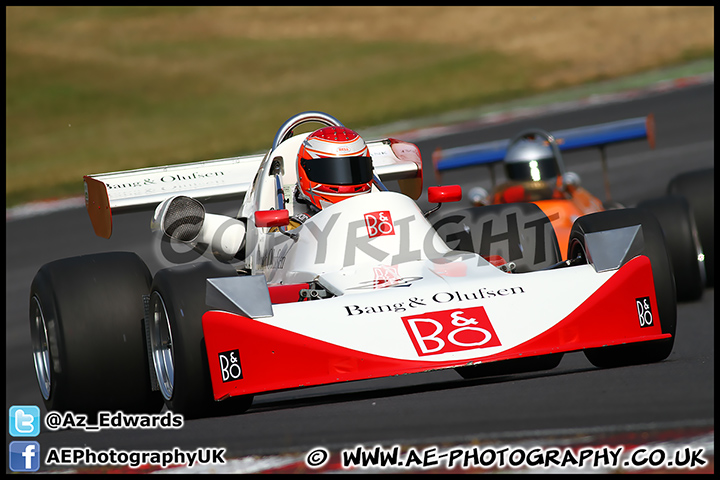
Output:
[[24, 456]]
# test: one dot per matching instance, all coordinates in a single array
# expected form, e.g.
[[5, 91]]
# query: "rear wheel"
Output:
[[177, 304], [654, 249], [698, 188], [683, 245], [86, 324]]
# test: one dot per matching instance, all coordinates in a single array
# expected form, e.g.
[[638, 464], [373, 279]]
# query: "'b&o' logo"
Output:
[[644, 312], [230, 365], [451, 331], [379, 223]]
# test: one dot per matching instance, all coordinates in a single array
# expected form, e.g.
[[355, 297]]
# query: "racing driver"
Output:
[[532, 174], [333, 164]]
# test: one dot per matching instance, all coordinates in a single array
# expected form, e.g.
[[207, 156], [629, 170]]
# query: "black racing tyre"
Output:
[[519, 232], [86, 325], [698, 188], [177, 344], [512, 366], [683, 245], [654, 249]]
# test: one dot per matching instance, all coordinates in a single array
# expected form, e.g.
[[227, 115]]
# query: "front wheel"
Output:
[[654, 249], [177, 304], [86, 325], [520, 233], [510, 367]]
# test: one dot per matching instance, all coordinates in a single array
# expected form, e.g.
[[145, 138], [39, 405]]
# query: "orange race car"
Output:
[[535, 173]]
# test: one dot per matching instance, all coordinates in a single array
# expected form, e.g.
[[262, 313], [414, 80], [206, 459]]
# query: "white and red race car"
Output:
[[368, 287]]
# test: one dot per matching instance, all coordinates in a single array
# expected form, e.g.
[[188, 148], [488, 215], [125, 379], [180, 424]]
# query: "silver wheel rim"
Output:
[[41, 349], [161, 346]]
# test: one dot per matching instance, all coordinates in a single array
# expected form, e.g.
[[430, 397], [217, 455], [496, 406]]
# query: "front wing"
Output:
[[249, 356]]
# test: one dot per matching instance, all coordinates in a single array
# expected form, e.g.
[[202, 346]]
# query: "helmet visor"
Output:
[[536, 170], [338, 170]]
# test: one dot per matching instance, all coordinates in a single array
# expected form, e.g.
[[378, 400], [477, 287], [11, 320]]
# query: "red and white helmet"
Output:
[[333, 164]]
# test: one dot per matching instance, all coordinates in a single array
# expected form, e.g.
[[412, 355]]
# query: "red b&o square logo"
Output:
[[379, 223], [454, 330]]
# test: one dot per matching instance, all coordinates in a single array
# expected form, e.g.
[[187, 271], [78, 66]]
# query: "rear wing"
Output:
[[490, 153], [107, 194]]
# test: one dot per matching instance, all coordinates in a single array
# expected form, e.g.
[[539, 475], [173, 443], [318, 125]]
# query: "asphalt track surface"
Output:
[[436, 407]]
